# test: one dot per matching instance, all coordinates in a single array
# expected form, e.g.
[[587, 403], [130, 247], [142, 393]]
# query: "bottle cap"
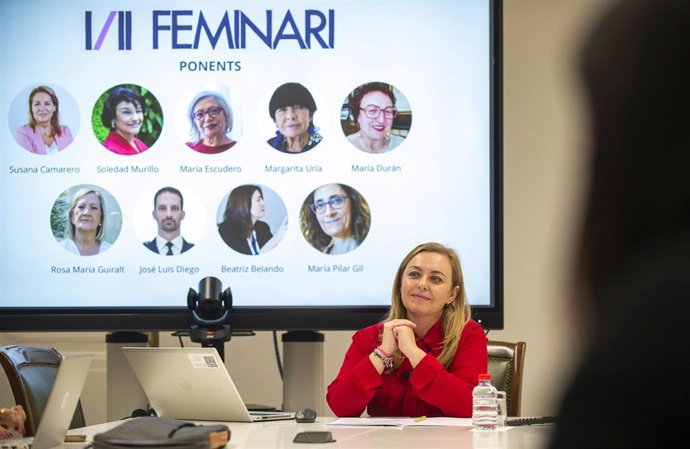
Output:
[[485, 377]]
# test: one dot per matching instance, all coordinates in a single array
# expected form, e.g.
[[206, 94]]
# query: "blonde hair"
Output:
[[55, 119], [454, 315], [71, 228]]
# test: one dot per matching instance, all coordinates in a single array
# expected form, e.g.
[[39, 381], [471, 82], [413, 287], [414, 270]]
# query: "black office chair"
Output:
[[506, 362], [31, 372]]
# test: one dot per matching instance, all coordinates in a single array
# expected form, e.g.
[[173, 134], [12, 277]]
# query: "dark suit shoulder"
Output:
[[152, 245], [186, 245]]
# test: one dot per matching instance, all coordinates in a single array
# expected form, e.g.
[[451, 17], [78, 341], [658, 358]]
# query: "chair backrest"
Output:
[[506, 362], [31, 372]]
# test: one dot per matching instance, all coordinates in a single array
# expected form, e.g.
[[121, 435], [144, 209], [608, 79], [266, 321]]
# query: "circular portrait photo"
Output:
[[211, 122], [86, 220], [376, 117], [127, 119], [252, 219], [168, 222], [335, 219], [44, 119], [292, 109]]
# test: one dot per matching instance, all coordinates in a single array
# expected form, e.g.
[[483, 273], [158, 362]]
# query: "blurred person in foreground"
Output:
[[632, 280]]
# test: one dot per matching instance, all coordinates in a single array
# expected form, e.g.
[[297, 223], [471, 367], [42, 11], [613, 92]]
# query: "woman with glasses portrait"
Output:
[[629, 286], [292, 109], [373, 108], [335, 219], [211, 121]]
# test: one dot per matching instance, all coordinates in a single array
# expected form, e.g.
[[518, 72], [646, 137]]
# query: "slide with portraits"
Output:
[[295, 150]]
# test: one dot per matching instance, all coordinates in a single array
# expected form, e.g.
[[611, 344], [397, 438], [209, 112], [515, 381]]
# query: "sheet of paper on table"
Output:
[[399, 422]]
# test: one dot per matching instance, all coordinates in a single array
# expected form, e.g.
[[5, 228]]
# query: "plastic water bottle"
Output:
[[484, 404]]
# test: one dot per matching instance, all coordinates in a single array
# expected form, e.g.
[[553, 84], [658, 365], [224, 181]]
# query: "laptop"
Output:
[[192, 384], [60, 406]]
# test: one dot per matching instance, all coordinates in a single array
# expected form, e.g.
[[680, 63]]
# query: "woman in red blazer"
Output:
[[425, 357]]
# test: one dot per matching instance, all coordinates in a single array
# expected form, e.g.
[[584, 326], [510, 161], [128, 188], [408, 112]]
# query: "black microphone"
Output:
[[406, 374]]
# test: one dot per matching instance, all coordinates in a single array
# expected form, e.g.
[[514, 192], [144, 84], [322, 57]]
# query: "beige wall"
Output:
[[545, 141], [544, 146]]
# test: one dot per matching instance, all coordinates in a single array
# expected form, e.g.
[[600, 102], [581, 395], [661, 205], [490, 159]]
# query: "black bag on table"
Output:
[[162, 433]]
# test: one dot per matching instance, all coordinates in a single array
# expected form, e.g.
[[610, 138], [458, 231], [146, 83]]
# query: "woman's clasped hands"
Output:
[[399, 334]]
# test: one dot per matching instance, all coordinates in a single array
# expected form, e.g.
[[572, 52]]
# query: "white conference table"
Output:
[[279, 434]]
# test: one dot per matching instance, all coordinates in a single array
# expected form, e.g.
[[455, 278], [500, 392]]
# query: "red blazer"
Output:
[[118, 145], [428, 390]]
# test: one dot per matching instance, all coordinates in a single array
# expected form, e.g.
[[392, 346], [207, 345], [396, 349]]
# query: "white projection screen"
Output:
[[366, 127]]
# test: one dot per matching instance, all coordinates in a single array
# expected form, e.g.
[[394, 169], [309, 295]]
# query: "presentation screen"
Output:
[[294, 150]]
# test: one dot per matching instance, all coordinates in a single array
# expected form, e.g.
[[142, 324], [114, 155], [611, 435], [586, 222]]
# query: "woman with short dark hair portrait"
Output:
[[292, 108], [123, 114]]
